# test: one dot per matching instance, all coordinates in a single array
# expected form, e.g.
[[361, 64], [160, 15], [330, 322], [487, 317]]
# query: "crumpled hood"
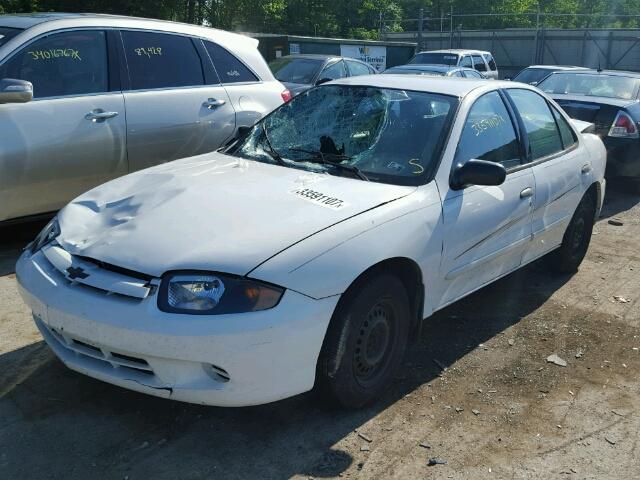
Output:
[[211, 212]]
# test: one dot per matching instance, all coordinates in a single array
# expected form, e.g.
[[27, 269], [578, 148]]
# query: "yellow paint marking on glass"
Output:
[[485, 124], [55, 53], [148, 51], [415, 163]]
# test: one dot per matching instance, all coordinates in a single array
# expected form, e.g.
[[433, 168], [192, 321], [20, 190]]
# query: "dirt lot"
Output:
[[498, 410]]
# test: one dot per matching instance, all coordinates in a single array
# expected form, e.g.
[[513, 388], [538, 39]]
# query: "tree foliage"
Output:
[[356, 18]]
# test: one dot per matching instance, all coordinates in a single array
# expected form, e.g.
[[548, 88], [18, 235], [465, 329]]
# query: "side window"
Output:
[[488, 133], [334, 71], [566, 132], [457, 73], [544, 138], [372, 70], [472, 74], [160, 60], [466, 62], [230, 69], [67, 63], [478, 63], [356, 68], [492, 63]]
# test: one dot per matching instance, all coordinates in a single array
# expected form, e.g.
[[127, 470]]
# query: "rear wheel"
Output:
[[575, 242], [366, 341]]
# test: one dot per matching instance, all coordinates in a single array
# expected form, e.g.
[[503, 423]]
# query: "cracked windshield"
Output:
[[375, 134]]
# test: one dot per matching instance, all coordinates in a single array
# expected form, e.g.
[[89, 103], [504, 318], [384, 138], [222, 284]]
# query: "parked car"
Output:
[[611, 101], [435, 71], [87, 98], [477, 59], [310, 249], [536, 73], [302, 71]]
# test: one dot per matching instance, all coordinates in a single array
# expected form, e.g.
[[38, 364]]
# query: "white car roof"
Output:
[[460, 51], [457, 87]]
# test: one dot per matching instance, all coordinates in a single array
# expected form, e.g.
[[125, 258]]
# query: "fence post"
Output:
[[607, 61], [420, 22]]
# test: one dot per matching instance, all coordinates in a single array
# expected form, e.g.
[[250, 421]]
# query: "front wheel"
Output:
[[575, 242], [366, 341]]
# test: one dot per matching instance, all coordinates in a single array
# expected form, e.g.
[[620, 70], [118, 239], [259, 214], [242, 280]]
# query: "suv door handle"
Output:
[[212, 103], [526, 193], [99, 115]]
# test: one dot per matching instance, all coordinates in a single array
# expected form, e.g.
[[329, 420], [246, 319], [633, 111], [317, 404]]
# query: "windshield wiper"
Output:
[[321, 158], [272, 151]]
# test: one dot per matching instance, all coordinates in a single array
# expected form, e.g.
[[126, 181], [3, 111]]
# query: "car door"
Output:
[[479, 64], [72, 135], [176, 106], [557, 166], [486, 228]]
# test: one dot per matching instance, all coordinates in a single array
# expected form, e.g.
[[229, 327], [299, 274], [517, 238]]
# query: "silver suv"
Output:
[[479, 60], [87, 98]]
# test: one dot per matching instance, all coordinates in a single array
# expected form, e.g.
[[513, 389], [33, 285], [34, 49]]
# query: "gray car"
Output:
[[87, 98], [303, 71], [435, 71]]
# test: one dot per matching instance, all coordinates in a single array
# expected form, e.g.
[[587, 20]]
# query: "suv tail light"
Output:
[[286, 95], [623, 126]]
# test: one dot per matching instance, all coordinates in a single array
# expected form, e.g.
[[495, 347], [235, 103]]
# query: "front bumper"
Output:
[[223, 360]]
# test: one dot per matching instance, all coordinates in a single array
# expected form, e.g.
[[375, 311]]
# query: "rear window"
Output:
[[435, 58], [296, 70], [591, 85], [532, 75], [7, 34], [492, 63]]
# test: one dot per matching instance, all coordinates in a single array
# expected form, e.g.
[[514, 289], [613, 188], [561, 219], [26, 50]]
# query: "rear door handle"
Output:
[[586, 168], [526, 193], [99, 115], [213, 103]]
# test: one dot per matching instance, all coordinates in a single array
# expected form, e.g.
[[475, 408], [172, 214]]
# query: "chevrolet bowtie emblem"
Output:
[[76, 272]]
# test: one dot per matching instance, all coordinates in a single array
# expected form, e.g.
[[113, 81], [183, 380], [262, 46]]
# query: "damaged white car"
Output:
[[310, 249]]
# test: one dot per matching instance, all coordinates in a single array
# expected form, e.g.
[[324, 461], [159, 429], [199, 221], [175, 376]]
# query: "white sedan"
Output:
[[310, 249]]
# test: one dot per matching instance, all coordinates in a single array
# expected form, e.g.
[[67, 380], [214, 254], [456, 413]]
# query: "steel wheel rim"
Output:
[[374, 342]]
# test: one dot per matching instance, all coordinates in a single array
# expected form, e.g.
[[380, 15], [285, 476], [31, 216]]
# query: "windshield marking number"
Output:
[[319, 198]]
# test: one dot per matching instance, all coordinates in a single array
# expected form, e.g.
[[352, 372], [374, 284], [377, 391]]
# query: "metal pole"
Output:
[[420, 22], [534, 59], [451, 27]]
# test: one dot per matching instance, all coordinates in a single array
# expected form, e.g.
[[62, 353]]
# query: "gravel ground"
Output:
[[476, 392]]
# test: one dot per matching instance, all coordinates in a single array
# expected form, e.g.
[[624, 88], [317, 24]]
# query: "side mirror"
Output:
[[477, 172], [323, 80], [508, 79], [15, 91]]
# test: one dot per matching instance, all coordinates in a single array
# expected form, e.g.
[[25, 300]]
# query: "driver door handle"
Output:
[[99, 115], [213, 103], [526, 193]]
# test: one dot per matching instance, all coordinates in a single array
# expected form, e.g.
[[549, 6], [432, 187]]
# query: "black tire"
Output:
[[366, 341], [575, 242]]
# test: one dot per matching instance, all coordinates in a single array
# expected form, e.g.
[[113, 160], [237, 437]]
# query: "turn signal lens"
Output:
[[623, 126], [286, 95]]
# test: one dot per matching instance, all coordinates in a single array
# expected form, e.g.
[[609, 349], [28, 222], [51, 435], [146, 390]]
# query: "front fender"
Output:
[[328, 262]]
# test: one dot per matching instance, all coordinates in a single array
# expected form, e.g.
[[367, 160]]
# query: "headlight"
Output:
[[46, 235], [204, 293]]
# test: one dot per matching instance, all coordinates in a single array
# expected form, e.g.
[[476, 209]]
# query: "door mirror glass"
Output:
[[477, 172], [15, 91]]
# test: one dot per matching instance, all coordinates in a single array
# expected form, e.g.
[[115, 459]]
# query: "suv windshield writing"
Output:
[[377, 134]]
